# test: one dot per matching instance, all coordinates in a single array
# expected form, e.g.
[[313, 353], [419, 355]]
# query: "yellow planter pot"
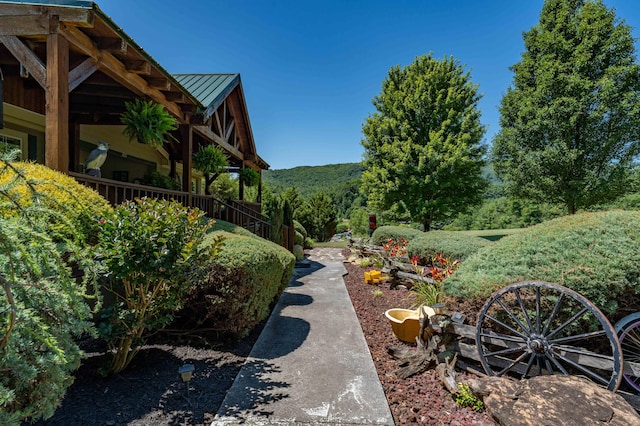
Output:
[[406, 322]]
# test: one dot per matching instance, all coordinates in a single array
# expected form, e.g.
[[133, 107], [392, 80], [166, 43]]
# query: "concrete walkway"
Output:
[[311, 364]]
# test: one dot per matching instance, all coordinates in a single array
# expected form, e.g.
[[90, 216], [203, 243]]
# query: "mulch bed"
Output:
[[150, 391], [420, 399]]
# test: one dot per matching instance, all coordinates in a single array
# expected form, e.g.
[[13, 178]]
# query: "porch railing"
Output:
[[235, 212]]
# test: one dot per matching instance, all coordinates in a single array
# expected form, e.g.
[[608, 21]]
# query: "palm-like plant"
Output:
[[212, 161], [147, 122]]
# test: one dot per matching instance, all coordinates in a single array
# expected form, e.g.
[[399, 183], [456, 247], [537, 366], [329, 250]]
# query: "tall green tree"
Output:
[[422, 145], [318, 216], [569, 123]]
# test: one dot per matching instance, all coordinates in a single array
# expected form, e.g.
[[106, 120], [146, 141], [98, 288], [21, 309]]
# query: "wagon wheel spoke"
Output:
[[559, 366], [522, 308], [511, 329], [512, 364], [577, 337], [514, 317], [567, 322], [529, 365], [588, 372], [554, 312], [535, 328]]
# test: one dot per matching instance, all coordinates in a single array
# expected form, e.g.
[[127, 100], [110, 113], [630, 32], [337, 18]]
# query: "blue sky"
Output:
[[310, 69]]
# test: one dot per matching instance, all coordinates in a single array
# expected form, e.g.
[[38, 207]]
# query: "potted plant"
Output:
[[248, 176], [147, 122], [212, 161]]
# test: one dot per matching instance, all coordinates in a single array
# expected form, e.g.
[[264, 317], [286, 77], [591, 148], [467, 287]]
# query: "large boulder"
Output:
[[552, 400]]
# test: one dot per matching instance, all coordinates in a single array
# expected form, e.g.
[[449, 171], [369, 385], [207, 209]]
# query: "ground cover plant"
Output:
[[450, 244], [596, 254]]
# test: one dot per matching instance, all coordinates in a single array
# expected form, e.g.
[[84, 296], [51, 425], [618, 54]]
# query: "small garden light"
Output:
[[186, 372]]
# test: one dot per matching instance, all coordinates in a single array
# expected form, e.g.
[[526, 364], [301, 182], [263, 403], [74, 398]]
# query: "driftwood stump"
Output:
[[431, 351]]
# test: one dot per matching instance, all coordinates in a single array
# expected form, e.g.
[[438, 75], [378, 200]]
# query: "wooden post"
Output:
[[57, 104], [186, 136], [74, 148]]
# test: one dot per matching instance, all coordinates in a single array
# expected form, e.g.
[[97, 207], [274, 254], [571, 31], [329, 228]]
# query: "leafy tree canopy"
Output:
[[569, 123], [422, 145]]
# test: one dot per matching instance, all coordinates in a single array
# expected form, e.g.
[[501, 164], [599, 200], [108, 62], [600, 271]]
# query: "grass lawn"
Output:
[[493, 234]]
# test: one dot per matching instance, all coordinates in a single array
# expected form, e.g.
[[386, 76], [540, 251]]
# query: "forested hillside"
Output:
[[308, 180]]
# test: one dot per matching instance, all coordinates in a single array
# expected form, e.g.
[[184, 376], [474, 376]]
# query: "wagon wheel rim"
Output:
[[539, 328], [630, 344]]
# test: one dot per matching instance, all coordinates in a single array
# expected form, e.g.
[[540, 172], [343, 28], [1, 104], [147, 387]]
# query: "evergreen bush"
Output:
[[43, 303], [242, 282], [80, 207], [454, 245], [383, 233], [596, 254]]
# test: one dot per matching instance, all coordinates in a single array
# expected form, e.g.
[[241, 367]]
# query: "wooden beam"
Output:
[[76, 15], [115, 69], [57, 104], [160, 84], [27, 58], [175, 96], [82, 72], [24, 25], [137, 66], [112, 45], [232, 124], [208, 133]]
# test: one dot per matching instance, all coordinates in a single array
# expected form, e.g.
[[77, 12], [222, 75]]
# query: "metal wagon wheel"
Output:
[[628, 329], [536, 328]]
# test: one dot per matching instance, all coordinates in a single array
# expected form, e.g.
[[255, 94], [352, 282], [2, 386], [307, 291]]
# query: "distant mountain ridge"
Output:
[[309, 180]]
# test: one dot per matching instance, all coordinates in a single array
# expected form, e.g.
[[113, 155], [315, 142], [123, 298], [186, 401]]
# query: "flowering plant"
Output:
[[430, 293], [396, 247]]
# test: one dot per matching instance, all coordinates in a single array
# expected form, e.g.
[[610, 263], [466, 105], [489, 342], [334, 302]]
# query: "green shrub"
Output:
[[299, 228], [221, 225], [451, 244], [159, 180], [242, 282], [152, 254], [309, 243], [342, 227], [44, 307], [298, 238], [596, 254], [384, 233], [79, 206]]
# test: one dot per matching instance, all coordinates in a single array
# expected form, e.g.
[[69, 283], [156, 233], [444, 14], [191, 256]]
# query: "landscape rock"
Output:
[[298, 252], [552, 400]]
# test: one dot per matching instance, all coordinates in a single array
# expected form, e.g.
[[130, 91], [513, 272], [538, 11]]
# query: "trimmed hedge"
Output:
[[245, 279], [383, 233], [221, 225], [596, 254], [451, 244]]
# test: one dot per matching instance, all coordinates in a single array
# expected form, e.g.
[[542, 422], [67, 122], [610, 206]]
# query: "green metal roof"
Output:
[[209, 89], [65, 3]]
